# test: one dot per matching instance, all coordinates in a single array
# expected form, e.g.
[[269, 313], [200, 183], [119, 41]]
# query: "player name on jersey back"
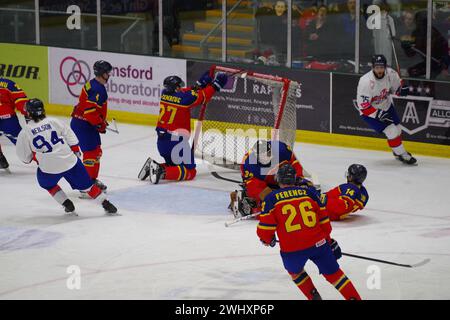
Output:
[[42, 128]]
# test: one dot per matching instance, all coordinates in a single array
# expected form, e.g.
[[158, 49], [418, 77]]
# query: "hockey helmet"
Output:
[[171, 83], [263, 150], [101, 67], [379, 60], [286, 175], [35, 109], [356, 173]]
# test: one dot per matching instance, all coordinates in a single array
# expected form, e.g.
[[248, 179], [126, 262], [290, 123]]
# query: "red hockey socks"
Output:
[[96, 193], [91, 161], [58, 194], [396, 145], [343, 284], [305, 284], [179, 173]]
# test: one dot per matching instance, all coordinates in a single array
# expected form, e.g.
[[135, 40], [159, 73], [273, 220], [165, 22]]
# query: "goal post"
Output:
[[225, 143]]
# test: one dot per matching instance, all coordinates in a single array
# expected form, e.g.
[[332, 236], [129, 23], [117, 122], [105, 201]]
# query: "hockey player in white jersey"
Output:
[[54, 147], [376, 107]]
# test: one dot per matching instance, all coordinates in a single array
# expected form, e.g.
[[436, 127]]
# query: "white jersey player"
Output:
[[54, 147], [374, 98]]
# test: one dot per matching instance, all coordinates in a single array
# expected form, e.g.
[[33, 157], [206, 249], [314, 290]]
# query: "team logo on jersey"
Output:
[[75, 74], [414, 113]]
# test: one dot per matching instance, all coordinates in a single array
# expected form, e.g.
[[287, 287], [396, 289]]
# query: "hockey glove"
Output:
[[384, 117], [403, 90], [220, 81], [204, 80], [299, 181], [336, 249], [101, 128], [272, 242]]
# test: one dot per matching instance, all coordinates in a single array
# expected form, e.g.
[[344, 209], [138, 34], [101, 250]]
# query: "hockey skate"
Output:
[[101, 185], [69, 208], [406, 158], [110, 209], [3, 162], [156, 172], [145, 171]]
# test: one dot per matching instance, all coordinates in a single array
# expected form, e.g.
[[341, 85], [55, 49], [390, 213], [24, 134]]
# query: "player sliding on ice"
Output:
[[12, 98], [298, 217], [348, 197], [55, 148], [174, 127], [376, 108]]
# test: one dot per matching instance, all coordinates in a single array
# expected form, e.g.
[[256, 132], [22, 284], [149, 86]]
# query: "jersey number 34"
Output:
[[39, 142]]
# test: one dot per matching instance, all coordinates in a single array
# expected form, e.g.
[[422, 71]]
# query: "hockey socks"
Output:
[[305, 284], [343, 284], [58, 194], [96, 193], [91, 161], [178, 173]]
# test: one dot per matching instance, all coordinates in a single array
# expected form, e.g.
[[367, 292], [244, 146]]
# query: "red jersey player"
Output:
[[89, 119], [174, 127], [297, 215], [348, 197], [258, 170], [12, 98]]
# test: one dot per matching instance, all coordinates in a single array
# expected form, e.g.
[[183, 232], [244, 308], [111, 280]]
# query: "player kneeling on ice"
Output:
[[174, 127], [55, 148], [298, 217], [376, 108], [348, 197], [258, 170]]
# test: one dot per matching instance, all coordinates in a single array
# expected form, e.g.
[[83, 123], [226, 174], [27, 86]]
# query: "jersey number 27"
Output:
[[39, 142]]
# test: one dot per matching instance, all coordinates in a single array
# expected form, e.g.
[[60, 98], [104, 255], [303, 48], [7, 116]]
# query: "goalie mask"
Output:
[[263, 150]]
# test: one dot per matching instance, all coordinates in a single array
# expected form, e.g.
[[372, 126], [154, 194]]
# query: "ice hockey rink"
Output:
[[171, 242]]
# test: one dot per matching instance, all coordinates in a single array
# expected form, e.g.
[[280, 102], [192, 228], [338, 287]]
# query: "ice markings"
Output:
[[12, 238], [171, 199]]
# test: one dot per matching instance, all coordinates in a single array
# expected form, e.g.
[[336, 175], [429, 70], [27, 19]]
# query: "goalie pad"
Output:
[[240, 204]]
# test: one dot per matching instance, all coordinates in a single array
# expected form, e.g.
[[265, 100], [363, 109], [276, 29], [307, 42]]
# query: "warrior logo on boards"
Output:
[[414, 113]]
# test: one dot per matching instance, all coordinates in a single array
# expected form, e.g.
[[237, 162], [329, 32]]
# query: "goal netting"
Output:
[[225, 143]]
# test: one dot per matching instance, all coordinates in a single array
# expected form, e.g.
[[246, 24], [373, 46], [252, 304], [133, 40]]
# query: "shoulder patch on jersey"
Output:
[[87, 86]]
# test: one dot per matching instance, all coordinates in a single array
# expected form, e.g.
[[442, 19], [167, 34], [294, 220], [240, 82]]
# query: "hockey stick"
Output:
[[393, 47], [217, 176], [114, 124], [250, 216], [421, 263], [7, 135]]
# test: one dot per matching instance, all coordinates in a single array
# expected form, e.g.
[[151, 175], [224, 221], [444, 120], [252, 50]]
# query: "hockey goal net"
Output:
[[225, 142]]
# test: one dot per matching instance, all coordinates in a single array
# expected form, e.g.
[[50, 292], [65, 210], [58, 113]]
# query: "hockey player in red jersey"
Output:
[[89, 119], [298, 217], [348, 197], [258, 170], [174, 127], [12, 98]]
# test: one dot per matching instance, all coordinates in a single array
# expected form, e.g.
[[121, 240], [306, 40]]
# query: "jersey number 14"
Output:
[[39, 142]]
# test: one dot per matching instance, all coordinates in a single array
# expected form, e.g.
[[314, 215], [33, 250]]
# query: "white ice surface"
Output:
[[171, 243]]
